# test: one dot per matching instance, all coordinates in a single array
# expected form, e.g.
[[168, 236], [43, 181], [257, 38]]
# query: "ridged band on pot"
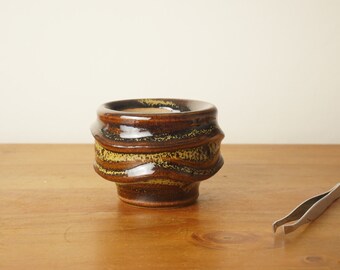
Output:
[[157, 150]]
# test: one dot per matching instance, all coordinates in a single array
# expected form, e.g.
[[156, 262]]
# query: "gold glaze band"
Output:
[[197, 154], [164, 165], [186, 187], [161, 138]]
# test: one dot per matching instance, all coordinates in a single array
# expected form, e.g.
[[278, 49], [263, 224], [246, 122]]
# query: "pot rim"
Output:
[[175, 106]]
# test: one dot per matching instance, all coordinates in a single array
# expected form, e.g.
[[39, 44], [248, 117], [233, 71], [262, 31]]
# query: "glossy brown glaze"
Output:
[[157, 150]]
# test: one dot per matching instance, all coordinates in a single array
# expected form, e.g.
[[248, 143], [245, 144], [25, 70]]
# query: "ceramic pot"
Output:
[[157, 151]]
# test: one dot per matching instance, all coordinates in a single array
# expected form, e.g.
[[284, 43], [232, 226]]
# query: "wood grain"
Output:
[[56, 213]]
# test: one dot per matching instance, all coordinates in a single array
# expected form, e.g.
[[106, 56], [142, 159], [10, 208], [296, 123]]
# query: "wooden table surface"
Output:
[[56, 213]]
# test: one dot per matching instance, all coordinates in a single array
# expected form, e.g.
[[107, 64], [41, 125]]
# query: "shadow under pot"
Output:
[[157, 151]]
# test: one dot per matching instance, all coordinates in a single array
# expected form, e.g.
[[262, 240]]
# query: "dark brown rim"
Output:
[[193, 107]]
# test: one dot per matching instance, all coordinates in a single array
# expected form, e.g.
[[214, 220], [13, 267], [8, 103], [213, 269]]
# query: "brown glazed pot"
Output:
[[157, 150]]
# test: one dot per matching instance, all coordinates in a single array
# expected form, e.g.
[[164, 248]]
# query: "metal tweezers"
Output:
[[309, 210]]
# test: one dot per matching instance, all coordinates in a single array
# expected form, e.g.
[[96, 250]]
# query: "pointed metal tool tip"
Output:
[[308, 210], [274, 227]]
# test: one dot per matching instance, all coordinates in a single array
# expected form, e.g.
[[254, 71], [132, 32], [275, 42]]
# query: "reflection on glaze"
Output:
[[128, 132], [145, 169], [165, 137], [133, 117], [170, 109]]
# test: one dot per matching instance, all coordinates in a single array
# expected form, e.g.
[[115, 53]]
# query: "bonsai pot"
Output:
[[157, 151]]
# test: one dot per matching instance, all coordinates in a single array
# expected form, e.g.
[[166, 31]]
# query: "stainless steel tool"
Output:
[[309, 210]]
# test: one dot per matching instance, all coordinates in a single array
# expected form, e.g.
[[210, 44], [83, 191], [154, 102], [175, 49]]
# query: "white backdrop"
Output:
[[271, 67]]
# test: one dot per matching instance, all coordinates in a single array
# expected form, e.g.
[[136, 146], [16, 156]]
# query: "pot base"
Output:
[[158, 195]]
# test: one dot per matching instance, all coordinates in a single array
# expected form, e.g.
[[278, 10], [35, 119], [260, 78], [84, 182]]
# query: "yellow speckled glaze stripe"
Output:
[[109, 172], [167, 182], [184, 186], [157, 102], [164, 165], [164, 137], [197, 154]]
